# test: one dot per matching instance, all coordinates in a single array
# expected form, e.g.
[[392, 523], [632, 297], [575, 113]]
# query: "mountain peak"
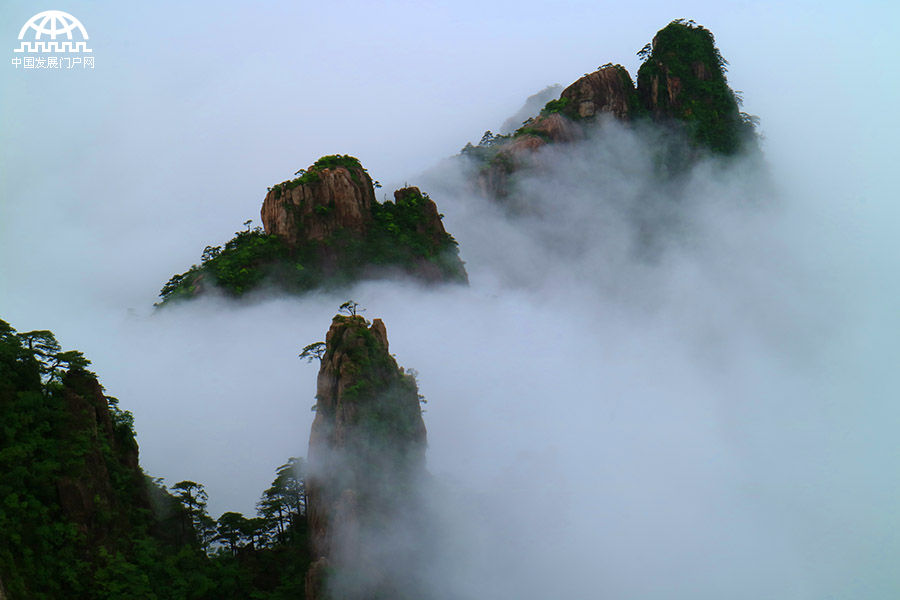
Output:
[[366, 450]]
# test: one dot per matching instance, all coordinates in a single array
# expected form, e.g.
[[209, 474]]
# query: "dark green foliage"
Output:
[[401, 236], [231, 529], [316, 350], [265, 557], [635, 108], [54, 363], [555, 106], [282, 506], [350, 308], [486, 149], [705, 104], [242, 265], [390, 418], [133, 539], [61, 439], [503, 162], [337, 160], [528, 129]]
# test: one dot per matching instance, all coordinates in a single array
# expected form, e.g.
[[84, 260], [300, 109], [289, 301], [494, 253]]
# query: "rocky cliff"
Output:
[[325, 229], [608, 90], [681, 87], [329, 197], [683, 80], [330, 219], [366, 452]]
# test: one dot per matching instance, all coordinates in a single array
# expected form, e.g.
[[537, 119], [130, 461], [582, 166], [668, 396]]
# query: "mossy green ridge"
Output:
[[683, 78], [246, 260]]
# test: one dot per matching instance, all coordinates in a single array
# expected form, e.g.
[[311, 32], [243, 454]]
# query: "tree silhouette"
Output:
[[351, 308], [312, 351], [193, 497], [284, 502], [231, 528]]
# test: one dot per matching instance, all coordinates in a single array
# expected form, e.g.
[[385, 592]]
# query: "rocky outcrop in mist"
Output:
[[607, 90], [366, 455], [329, 215], [681, 90], [325, 229], [682, 80]]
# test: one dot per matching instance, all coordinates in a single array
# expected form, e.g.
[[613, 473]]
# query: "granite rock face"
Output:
[[329, 216], [366, 456], [330, 200], [608, 90]]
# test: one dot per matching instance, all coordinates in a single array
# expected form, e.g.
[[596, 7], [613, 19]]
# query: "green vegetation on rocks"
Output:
[[683, 78], [244, 262], [681, 90], [329, 234]]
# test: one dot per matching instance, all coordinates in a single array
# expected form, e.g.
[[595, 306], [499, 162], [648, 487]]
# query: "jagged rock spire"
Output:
[[366, 453]]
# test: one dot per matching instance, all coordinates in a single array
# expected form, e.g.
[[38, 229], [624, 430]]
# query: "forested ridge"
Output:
[[79, 518]]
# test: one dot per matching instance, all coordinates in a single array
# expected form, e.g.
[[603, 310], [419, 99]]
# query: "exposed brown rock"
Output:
[[343, 196], [607, 90], [331, 217], [431, 224], [673, 85], [366, 448], [556, 128], [701, 71], [663, 82]]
